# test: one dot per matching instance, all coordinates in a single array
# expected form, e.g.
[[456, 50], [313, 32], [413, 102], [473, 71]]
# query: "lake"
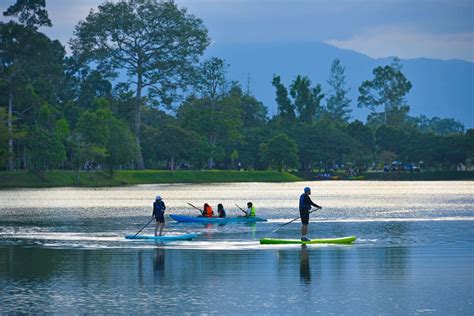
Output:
[[62, 251]]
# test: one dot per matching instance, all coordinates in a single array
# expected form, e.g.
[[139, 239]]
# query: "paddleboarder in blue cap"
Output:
[[159, 214], [305, 207]]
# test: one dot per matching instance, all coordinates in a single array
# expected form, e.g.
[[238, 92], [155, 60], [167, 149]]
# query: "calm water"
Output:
[[63, 251]]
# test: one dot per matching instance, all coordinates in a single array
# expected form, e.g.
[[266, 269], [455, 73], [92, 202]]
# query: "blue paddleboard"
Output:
[[163, 238]]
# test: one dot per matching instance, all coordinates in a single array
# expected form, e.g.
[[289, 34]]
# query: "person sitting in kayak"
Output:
[[220, 210], [250, 210], [159, 208], [305, 207], [207, 212]]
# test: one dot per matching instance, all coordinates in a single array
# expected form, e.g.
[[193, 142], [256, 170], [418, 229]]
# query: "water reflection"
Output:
[[159, 262], [59, 246], [305, 269]]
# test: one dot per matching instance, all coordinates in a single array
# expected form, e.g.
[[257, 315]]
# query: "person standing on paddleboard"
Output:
[[159, 208], [305, 207]]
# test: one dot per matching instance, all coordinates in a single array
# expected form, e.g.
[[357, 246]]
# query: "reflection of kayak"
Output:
[[163, 238], [342, 240], [216, 220]]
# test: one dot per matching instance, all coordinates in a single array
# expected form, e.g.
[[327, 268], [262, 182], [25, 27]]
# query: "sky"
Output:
[[440, 29]]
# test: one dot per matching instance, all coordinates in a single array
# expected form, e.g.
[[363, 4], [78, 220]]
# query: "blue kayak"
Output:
[[216, 220], [163, 238]]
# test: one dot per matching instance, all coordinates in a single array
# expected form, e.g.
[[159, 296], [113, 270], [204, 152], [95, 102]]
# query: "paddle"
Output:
[[294, 220], [241, 209], [197, 208], [144, 227]]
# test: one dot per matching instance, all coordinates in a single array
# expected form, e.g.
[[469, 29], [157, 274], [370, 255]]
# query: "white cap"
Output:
[[158, 197]]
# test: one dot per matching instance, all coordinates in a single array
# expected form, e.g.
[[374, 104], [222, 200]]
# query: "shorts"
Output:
[[304, 217], [160, 217]]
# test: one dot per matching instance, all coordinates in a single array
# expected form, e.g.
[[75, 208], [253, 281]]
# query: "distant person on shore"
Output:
[[159, 208], [220, 210], [207, 211], [305, 207], [250, 210]]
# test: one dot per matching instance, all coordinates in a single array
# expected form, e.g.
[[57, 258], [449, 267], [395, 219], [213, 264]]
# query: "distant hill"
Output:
[[440, 88]]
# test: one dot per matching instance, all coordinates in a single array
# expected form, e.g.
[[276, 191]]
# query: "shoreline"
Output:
[[63, 178]]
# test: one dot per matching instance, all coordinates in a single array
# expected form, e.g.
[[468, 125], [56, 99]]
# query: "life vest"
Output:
[[208, 212], [251, 211]]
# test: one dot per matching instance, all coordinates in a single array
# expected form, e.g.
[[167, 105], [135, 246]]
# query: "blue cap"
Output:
[[307, 189]]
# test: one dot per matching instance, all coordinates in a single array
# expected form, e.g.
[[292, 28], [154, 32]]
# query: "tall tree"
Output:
[[215, 113], [388, 89], [211, 78], [338, 103], [306, 99], [3, 137], [31, 13], [156, 43], [286, 110], [31, 66]]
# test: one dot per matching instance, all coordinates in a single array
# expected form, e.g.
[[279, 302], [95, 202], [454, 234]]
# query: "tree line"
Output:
[[135, 93]]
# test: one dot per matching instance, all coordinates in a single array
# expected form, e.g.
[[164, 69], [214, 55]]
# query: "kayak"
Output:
[[341, 240], [163, 238], [216, 220]]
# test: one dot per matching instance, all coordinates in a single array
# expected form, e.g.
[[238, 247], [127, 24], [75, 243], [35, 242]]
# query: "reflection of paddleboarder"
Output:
[[159, 259], [305, 271], [159, 264]]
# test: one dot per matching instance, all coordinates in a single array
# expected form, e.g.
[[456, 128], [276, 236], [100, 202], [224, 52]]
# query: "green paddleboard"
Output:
[[342, 240]]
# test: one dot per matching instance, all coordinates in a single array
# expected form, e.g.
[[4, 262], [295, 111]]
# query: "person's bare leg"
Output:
[[304, 230], [156, 228], [162, 225]]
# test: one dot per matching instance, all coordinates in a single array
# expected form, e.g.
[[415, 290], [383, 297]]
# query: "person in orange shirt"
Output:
[[207, 212]]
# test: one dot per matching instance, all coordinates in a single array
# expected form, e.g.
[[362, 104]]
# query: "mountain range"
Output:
[[443, 88]]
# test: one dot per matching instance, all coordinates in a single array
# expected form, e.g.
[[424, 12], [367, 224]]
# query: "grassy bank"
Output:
[[394, 176], [59, 178], [420, 176]]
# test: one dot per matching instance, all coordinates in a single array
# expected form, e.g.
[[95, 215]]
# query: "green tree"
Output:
[[121, 145], [3, 137], [47, 139], [210, 79], [322, 143], [445, 126], [281, 152], [254, 112], [362, 152], [389, 138], [156, 43], [93, 86], [215, 113], [306, 99], [337, 105], [286, 110], [177, 144], [31, 67], [91, 138], [31, 13], [388, 89]]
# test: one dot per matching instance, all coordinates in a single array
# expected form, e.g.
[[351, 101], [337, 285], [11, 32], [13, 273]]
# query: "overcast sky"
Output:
[[441, 29]]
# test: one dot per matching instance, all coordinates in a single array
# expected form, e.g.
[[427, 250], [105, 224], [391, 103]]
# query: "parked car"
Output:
[[397, 166], [411, 167]]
